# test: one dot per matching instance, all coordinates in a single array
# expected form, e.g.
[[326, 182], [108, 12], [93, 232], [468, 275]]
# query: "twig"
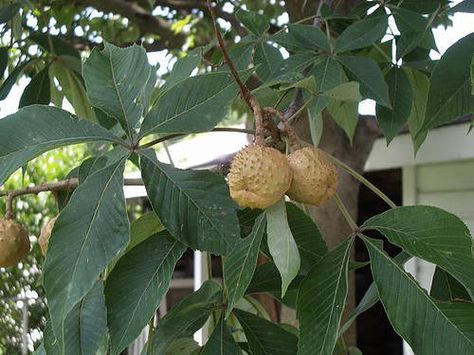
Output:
[[363, 180], [292, 137], [345, 213], [176, 135], [244, 90], [33, 190]]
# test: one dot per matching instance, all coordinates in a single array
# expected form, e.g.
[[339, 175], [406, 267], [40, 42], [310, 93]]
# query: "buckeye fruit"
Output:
[[314, 176], [14, 242], [45, 234], [259, 176]]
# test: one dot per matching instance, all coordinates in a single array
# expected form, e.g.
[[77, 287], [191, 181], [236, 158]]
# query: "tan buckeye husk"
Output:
[[259, 176], [14, 242], [45, 234], [314, 176]]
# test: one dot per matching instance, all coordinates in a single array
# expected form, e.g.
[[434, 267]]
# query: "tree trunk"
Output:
[[330, 221]]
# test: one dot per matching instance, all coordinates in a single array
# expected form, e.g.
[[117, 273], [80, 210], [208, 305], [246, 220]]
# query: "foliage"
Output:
[[333, 68]]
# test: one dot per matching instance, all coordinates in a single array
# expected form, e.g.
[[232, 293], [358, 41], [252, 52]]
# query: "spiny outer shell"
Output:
[[314, 176], [259, 177], [14, 242], [43, 240]]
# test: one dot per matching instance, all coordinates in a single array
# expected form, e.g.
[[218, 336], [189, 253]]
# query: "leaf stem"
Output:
[[176, 135], [363, 180], [345, 213]]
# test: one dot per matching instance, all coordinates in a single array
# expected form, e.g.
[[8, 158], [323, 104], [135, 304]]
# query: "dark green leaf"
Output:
[[60, 47], [136, 286], [431, 234], [464, 6], [182, 69], [240, 264], [392, 120], [194, 206], [328, 74], [444, 287], [429, 327], [11, 79], [8, 11], [371, 296], [265, 337], [370, 77], [36, 129], [309, 37], [221, 341], [186, 317], [3, 60], [181, 346], [321, 301], [90, 231], [256, 23], [308, 238], [195, 104], [362, 34], [38, 90], [450, 91], [269, 60], [267, 279], [282, 245], [114, 79]]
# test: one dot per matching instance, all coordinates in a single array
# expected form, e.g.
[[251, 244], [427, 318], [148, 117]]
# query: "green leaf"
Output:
[[73, 89], [450, 91], [392, 120], [36, 129], [136, 286], [114, 79], [370, 77], [420, 85], [3, 60], [309, 37], [266, 278], [431, 234], [240, 264], [90, 231], [268, 59], [221, 341], [195, 104], [186, 317], [346, 115], [8, 11], [183, 346], [256, 23], [282, 245], [371, 296], [143, 228], [428, 326], [38, 90], [321, 301], [265, 337], [345, 92], [308, 238], [328, 74], [444, 287], [362, 34], [194, 206]]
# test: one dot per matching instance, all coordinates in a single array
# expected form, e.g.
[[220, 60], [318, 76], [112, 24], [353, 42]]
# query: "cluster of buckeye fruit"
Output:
[[260, 176], [15, 242]]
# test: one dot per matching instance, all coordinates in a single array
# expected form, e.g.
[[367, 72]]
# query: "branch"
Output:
[[142, 18]]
